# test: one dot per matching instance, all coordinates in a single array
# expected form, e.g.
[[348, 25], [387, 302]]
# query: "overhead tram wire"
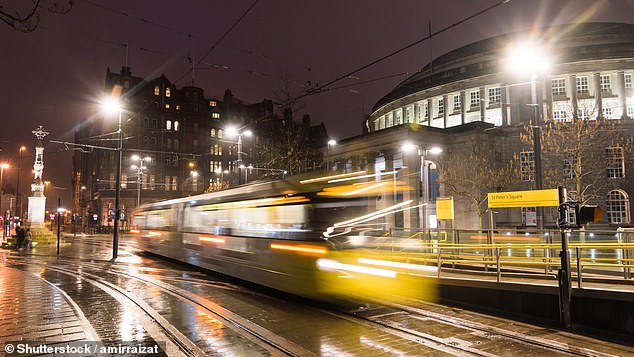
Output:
[[228, 31], [188, 35], [426, 38]]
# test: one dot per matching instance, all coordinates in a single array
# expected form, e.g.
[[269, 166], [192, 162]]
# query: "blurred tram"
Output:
[[314, 237]]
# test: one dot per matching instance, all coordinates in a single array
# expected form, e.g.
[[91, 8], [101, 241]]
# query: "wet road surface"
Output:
[[82, 295]]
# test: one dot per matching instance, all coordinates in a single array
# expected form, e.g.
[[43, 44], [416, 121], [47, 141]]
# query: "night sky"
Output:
[[55, 76]]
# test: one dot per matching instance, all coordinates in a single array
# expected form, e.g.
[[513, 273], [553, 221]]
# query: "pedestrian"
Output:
[[19, 237], [29, 238]]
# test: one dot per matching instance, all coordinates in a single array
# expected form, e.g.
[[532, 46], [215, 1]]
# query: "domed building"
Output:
[[471, 95]]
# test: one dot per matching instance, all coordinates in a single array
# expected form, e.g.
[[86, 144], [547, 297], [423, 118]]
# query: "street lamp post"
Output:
[[113, 105], [331, 142], [235, 132], [4, 223], [18, 201], [424, 179], [529, 57], [139, 171]]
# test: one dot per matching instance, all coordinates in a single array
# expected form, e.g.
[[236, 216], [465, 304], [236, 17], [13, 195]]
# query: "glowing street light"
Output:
[[139, 171], [3, 166], [424, 173], [112, 105], [233, 131]]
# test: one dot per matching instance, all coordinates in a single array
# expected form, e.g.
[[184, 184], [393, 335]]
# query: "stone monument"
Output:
[[37, 200]]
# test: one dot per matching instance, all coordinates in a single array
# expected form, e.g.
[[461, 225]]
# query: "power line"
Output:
[[229, 30], [426, 38]]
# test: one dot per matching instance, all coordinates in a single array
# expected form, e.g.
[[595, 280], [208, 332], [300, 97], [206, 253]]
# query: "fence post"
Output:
[[497, 263]]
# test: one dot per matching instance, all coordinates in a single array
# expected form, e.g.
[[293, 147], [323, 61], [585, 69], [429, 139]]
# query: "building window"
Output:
[[146, 122], [157, 90], [112, 181], [167, 183], [628, 81], [176, 126], [175, 161], [168, 92], [215, 115], [220, 133], [212, 103], [408, 115], [399, 117], [195, 144], [615, 162], [169, 143], [474, 99], [124, 181], [152, 182], [559, 87], [607, 113], [168, 125], [582, 85], [168, 160], [195, 127], [605, 83], [560, 115], [144, 182], [618, 207], [426, 111], [527, 164], [630, 111], [212, 133], [174, 183], [569, 162], [146, 141], [441, 106], [176, 144], [153, 141], [457, 103], [178, 107], [167, 106], [154, 123], [494, 96], [584, 113]]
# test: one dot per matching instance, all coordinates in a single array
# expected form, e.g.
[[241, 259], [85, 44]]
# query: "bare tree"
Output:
[[470, 172], [577, 153], [26, 17]]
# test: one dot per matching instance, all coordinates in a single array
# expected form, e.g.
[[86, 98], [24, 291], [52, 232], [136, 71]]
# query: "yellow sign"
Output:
[[444, 208], [534, 198]]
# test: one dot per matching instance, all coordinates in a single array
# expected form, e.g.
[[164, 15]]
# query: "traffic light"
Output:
[[587, 214]]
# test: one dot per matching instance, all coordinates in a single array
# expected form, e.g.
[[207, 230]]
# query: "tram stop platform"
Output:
[[69, 300]]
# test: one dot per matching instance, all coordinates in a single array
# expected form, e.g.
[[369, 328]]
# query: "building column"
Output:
[[482, 104], [445, 99], [572, 81], [620, 81], [463, 107], [598, 96]]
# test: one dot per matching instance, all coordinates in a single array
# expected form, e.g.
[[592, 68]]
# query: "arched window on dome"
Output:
[[618, 204], [168, 125]]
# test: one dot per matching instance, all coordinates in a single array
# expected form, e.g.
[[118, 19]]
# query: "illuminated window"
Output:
[[167, 106], [615, 162], [220, 133], [582, 85], [144, 182], [168, 92], [605, 83], [168, 125], [152, 182], [124, 181], [441, 106], [618, 205], [494, 96], [174, 183], [457, 102], [474, 99], [527, 165], [560, 115], [569, 165], [176, 126], [178, 107], [212, 103], [215, 115], [213, 133], [157, 90], [167, 183], [559, 87]]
